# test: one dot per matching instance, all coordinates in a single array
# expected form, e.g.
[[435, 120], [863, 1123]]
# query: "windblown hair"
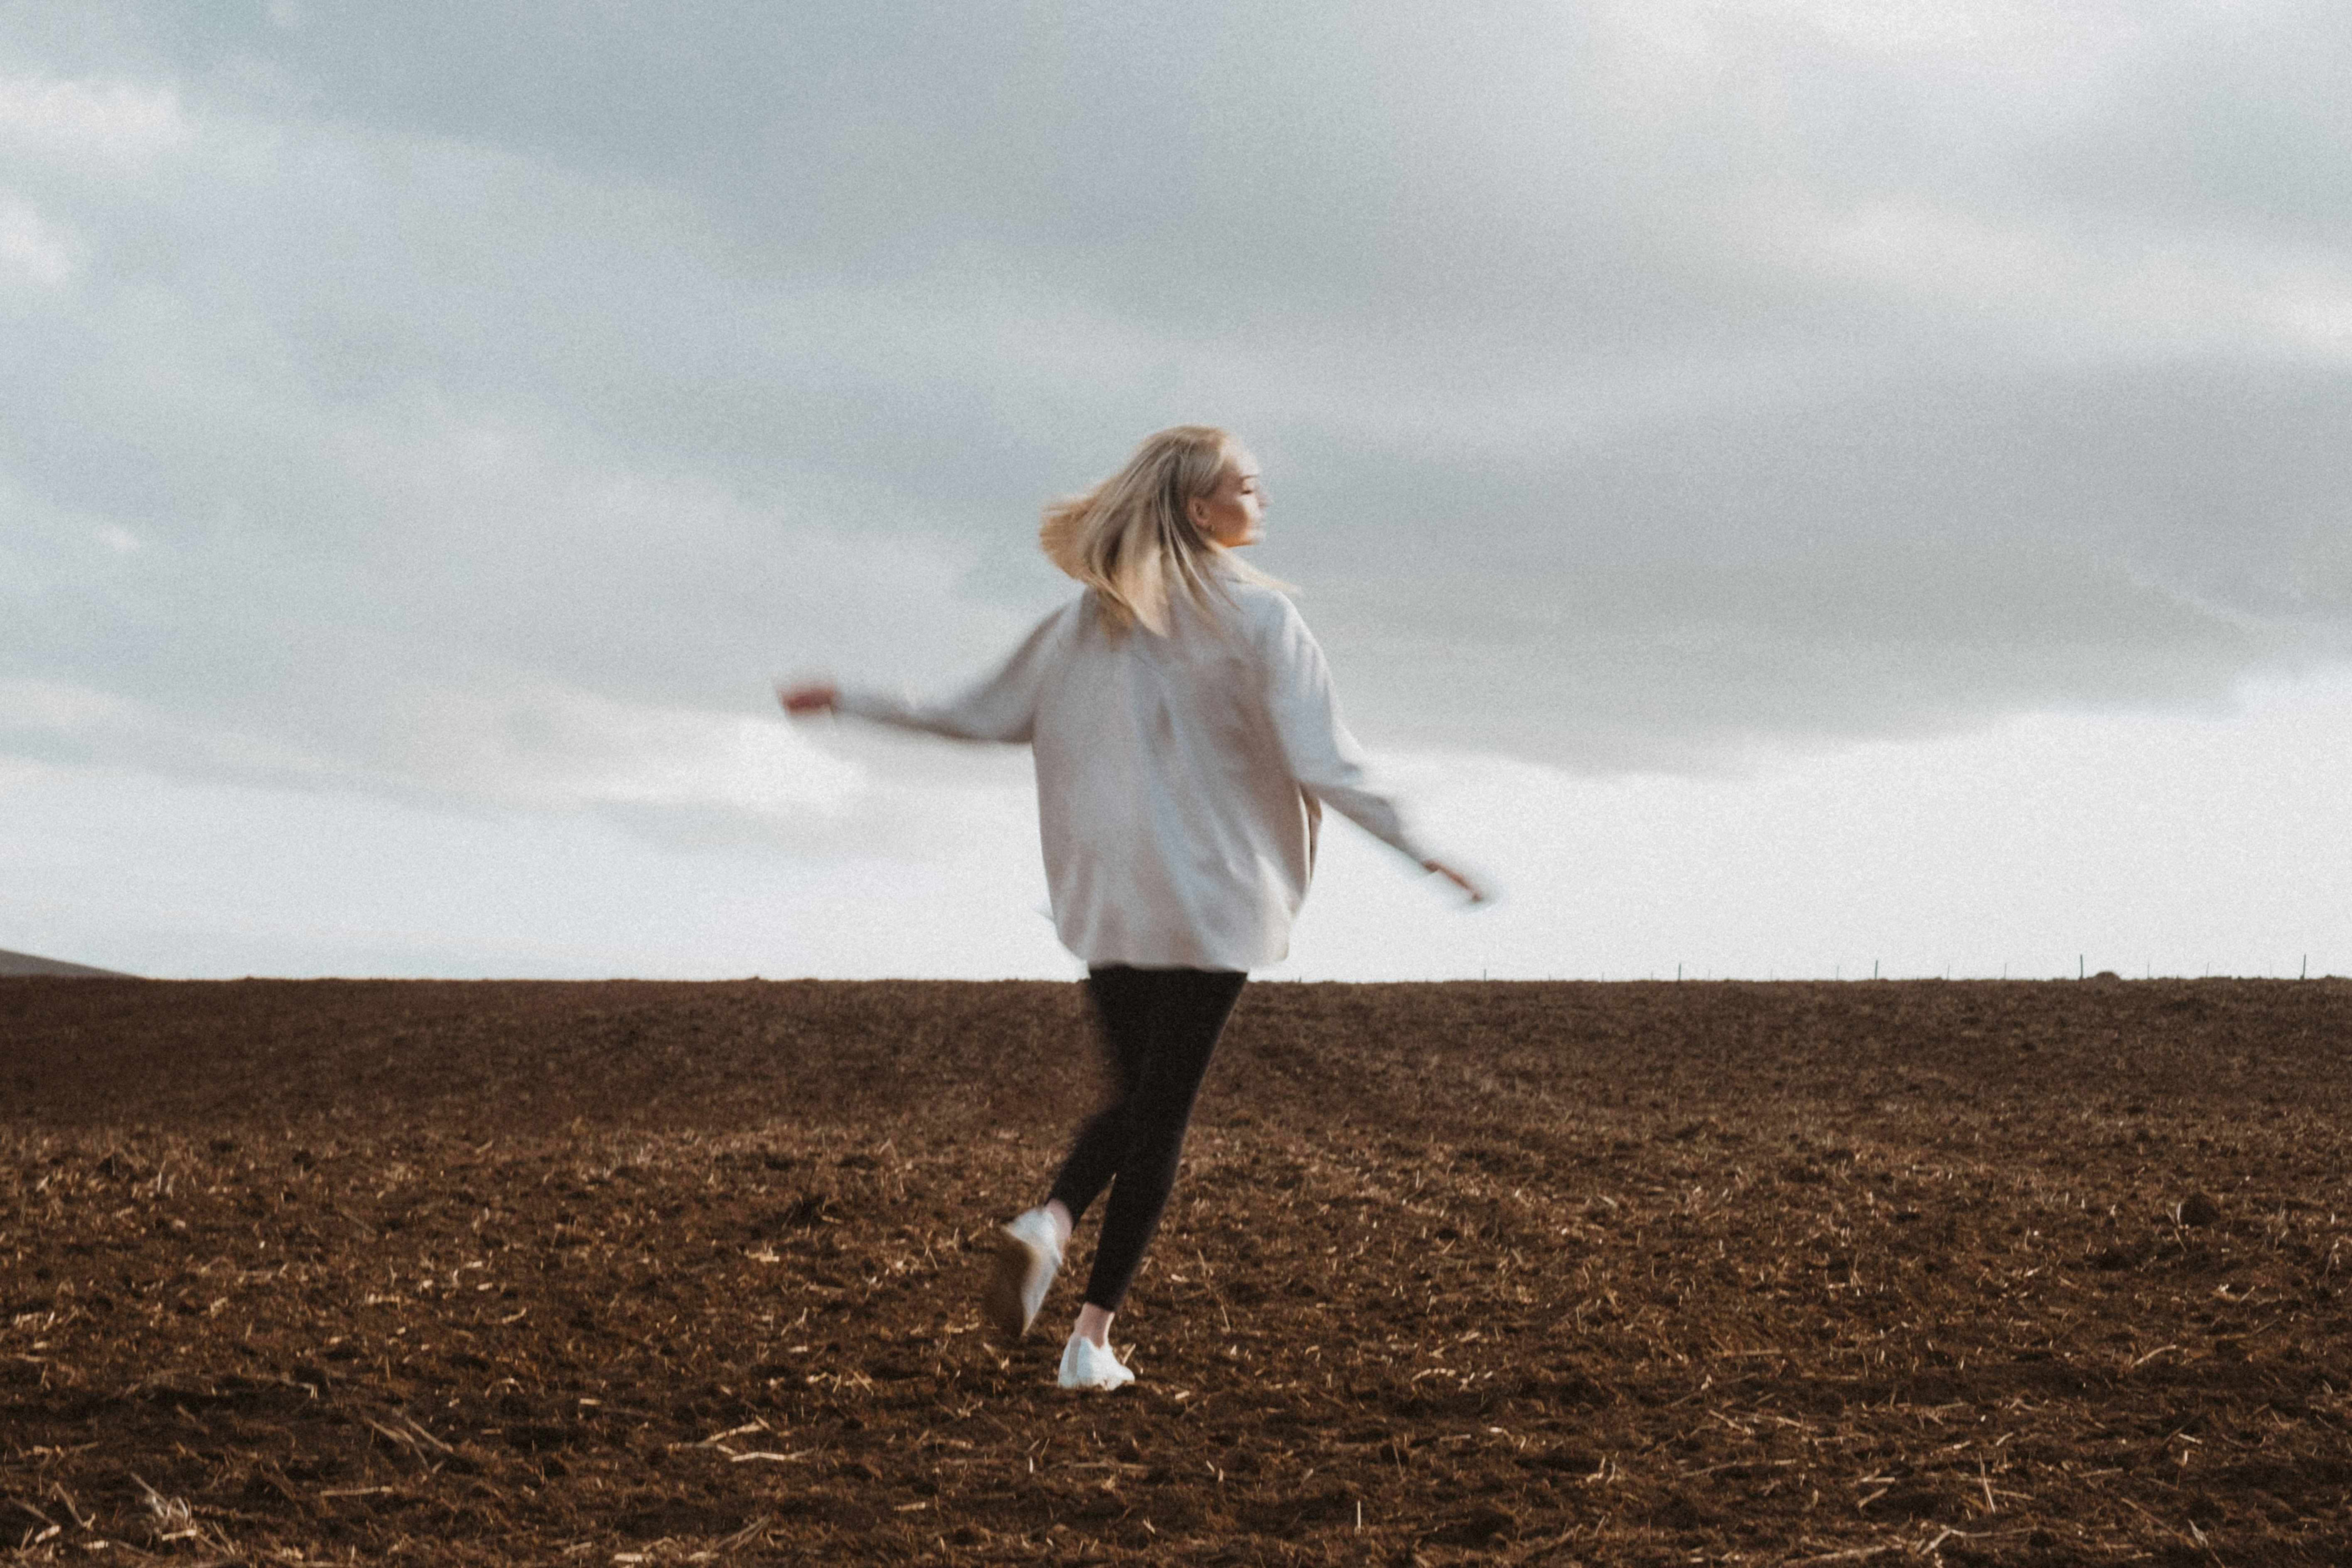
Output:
[[1131, 537]]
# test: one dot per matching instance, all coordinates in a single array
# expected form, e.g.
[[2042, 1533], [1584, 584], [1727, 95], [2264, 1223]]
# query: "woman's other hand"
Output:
[[808, 696], [1477, 894]]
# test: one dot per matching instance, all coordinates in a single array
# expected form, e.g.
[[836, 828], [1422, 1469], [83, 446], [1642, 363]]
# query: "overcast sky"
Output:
[[427, 427]]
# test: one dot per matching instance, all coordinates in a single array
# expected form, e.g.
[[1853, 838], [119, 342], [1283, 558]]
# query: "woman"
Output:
[[1186, 740]]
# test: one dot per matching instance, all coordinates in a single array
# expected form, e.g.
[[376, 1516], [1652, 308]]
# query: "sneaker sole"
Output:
[[1002, 1301], [1112, 1386]]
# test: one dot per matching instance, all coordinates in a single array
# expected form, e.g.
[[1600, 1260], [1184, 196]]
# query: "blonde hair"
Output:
[[1132, 539]]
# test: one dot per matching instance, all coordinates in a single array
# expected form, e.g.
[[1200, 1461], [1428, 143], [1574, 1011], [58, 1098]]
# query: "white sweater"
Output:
[[1180, 779]]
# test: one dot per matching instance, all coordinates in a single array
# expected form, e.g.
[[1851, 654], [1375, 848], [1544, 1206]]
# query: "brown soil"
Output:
[[1565, 1273]]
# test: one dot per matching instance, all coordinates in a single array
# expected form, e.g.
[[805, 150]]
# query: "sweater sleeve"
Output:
[[1323, 756], [1000, 705]]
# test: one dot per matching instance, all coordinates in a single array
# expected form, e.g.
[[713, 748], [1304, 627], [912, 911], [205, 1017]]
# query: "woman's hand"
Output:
[[809, 697], [1477, 894]]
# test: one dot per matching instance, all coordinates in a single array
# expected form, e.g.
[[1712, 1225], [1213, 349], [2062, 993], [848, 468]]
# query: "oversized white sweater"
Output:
[[1179, 778]]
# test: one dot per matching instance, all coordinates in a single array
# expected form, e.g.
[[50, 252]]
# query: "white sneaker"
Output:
[[1086, 1365], [1027, 1259]]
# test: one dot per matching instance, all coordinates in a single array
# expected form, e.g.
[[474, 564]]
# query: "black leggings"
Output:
[[1160, 1027]]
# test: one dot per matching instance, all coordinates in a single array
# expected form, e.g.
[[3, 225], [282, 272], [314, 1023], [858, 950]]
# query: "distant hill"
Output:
[[15, 963]]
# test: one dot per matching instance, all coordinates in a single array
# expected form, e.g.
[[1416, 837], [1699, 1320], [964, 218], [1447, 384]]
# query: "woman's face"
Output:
[[1234, 512]]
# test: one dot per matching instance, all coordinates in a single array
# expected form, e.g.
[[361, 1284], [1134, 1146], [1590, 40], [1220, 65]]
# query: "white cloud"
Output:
[[92, 126], [708, 777], [2121, 294], [553, 749], [2141, 843], [35, 248], [170, 878], [89, 722]]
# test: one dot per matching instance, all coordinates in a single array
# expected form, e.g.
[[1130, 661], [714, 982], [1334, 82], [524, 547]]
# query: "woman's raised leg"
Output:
[[1162, 1028]]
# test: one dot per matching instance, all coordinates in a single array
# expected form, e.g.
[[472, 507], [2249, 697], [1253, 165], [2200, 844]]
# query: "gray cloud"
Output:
[[1642, 386]]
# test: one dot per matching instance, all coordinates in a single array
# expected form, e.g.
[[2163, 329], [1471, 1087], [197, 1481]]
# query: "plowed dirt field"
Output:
[[1597, 1274]]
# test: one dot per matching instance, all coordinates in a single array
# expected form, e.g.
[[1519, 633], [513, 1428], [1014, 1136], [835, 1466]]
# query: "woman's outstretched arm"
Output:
[[1000, 706], [1324, 757]]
